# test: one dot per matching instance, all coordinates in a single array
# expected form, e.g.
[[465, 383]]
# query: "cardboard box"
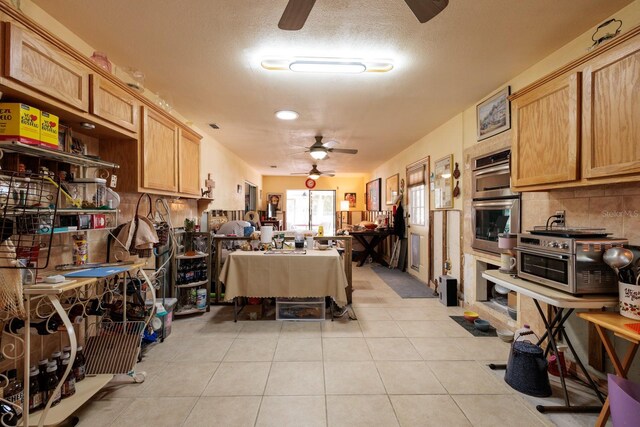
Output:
[[49, 124], [19, 122]]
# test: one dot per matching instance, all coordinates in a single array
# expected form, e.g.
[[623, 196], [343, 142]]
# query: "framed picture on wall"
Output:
[[275, 199], [351, 197], [494, 114], [391, 186], [374, 194]]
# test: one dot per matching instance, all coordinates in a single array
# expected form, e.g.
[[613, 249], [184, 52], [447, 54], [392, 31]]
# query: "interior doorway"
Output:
[[308, 209], [250, 197]]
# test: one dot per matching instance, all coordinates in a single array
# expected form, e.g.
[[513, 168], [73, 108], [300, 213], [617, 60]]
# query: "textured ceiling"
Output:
[[205, 55]]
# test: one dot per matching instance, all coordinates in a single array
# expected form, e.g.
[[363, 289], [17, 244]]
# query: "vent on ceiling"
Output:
[[214, 126]]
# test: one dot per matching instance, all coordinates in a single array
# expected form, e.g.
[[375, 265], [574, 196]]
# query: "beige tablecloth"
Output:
[[256, 274]]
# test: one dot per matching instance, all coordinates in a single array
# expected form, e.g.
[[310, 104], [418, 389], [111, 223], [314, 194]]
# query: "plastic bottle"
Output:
[[56, 355], [42, 370], [79, 365], [35, 395], [14, 392], [52, 382], [320, 231], [69, 385]]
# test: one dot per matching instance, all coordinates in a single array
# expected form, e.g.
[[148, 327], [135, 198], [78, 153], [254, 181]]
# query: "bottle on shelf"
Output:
[[14, 392], [56, 356], [52, 382], [79, 365], [69, 385], [35, 394]]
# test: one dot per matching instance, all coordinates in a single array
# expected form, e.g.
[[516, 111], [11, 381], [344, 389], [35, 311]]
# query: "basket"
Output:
[[114, 349]]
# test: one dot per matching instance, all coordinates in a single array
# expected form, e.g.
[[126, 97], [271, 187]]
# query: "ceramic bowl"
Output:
[[323, 247], [505, 335], [482, 325], [470, 316]]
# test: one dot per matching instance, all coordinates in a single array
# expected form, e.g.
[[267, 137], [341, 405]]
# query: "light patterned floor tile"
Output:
[[156, 412], [252, 350], [239, 379], [380, 329], [392, 349], [352, 378], [360, 411], [508, 411], [296, 379], [292, 411], [298, 349], [345, 349], [428, 411], [409, 378], [237, 411], [466, 377]]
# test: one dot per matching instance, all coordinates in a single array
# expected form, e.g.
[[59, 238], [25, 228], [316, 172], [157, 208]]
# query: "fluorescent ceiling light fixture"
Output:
[[327, 65], [318, 153], [314, 176], [287, 115]]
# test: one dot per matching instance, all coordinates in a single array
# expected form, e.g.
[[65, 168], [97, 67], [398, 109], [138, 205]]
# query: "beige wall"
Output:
[[341, 184]]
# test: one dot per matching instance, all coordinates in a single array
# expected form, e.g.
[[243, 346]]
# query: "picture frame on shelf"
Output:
[[392, 188], [373, 189], [493, 115]]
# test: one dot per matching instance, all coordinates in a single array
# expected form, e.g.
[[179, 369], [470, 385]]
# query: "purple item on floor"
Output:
[[624, 400]]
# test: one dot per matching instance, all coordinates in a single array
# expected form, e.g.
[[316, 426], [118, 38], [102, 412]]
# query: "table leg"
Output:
[[552, 341], [620, 368], [582, 368]]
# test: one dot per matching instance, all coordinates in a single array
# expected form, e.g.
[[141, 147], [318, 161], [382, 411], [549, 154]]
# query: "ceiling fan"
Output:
[[297, 11], [314, 173], [319, 151]]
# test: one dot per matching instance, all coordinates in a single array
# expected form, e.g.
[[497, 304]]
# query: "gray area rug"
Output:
[[470, 327], [404, 284]]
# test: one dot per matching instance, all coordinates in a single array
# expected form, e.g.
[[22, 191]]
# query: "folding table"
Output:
[[564, 304]]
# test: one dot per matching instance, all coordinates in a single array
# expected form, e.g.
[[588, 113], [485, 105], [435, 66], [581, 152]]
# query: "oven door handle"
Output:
[[499, 168], [504, 203], [544, 254]]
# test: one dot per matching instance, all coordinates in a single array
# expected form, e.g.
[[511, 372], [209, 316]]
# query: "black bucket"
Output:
[[527, 370]]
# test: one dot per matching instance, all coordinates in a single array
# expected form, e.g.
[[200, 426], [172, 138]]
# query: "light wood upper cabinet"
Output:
[[546, 130], [38, 65], [611, 113], [159, 152], [189, 164], [113, 104]]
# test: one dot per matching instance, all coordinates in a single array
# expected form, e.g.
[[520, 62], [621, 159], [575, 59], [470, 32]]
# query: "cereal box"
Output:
[[49, 130], [19, 122]]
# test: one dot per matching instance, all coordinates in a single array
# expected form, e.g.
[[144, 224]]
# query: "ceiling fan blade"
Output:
[[424, 10], [328, 174], [343, 150], [295, 14], [299, 173]]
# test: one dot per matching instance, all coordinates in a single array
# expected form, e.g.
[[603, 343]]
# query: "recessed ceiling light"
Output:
[[287, 115], [214, 125], [87, 125], [273, 166], [327, 65]]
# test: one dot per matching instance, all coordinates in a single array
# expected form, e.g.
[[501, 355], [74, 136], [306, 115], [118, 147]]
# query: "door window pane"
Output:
[[417, 205]]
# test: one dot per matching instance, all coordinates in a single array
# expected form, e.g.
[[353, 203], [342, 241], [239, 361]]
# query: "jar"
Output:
[[100, 59], [52, 382], [35, 395]]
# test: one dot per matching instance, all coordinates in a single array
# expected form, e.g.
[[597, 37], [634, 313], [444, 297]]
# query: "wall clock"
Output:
[[310, 183]]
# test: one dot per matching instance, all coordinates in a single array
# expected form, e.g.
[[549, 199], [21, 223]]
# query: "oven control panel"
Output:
[[567, 245]]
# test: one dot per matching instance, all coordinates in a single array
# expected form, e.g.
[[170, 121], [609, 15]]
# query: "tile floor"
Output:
[[403, 363]]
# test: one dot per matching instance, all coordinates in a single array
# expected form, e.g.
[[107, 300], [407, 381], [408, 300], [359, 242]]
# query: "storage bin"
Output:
[[301, 309]]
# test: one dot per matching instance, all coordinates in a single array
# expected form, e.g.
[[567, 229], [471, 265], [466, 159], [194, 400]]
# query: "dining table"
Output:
[[371, 240], [285, 274]]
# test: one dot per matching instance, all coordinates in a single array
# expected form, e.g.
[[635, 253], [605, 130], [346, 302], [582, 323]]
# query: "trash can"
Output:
[[624, 400]]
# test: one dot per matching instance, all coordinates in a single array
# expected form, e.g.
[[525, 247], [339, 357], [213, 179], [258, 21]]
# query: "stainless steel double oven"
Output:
[[495, 208]]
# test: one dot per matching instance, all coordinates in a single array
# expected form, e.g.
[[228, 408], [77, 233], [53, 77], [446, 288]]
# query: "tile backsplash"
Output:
[[613, 207]]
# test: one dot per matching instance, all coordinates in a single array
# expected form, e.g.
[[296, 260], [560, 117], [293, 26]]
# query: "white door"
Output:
[[308, 209]]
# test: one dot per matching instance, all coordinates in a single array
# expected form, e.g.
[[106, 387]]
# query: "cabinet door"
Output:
[[113, 104], [38, 65], [546, 133], [611, 112], [189, 164], [159, 145]]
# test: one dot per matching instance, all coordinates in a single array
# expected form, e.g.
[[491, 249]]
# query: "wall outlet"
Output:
[[560, 218]]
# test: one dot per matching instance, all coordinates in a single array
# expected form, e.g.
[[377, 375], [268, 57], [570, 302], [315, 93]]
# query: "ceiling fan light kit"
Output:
[[318, 153], [297, 12], [327, 65]]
